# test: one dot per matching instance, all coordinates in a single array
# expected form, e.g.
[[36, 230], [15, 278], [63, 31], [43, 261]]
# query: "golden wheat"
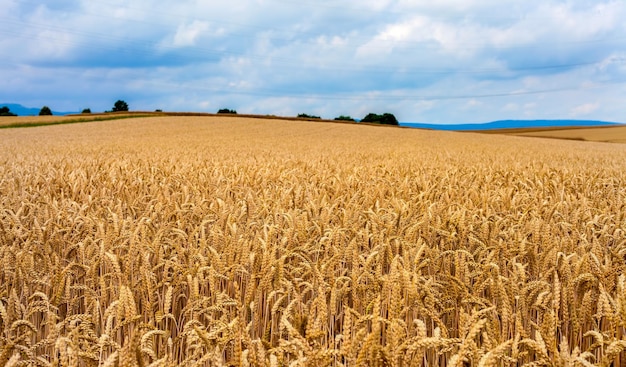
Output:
[[202, 241]]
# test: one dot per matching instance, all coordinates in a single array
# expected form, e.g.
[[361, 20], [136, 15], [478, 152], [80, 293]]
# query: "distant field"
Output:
[[32, 121], [610, 134], [214, 241]]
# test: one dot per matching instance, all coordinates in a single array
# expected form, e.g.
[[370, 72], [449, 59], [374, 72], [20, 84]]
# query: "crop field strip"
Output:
[[209, 241], [606, 134], [8, 122], [609, 134], [36, 121]]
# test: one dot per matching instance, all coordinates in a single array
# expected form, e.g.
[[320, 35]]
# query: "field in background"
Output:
[[213, 241], [607, 134], [36, 121], [33, 120]]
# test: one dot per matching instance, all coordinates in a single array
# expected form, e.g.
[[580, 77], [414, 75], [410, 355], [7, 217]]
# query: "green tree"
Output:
[[385, 119], [45, 111], [86, 110], [5, 111], [227, 111], [344, 118], [120, 106], [306, 116]]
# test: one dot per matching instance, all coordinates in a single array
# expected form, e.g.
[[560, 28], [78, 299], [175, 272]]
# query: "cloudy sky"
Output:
[[438, 61]]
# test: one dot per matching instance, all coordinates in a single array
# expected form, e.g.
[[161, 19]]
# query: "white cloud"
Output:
[[584, 109], [510, 107], [188, 34], [473, 103]]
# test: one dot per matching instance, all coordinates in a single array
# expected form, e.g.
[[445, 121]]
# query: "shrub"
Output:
[[226, 111], [306, 116], [45, 111], [385, 119], [344, 118], [5, 111], [86, 110]]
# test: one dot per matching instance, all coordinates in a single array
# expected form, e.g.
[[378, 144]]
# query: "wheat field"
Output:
[[611, 134], [208, 241]]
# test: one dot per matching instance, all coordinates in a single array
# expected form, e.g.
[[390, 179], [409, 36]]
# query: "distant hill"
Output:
[[509, 124], [20, 110]]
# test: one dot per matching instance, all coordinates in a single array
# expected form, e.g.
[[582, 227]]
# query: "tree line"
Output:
[[118, 106], [122, 106], [385, 118]]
